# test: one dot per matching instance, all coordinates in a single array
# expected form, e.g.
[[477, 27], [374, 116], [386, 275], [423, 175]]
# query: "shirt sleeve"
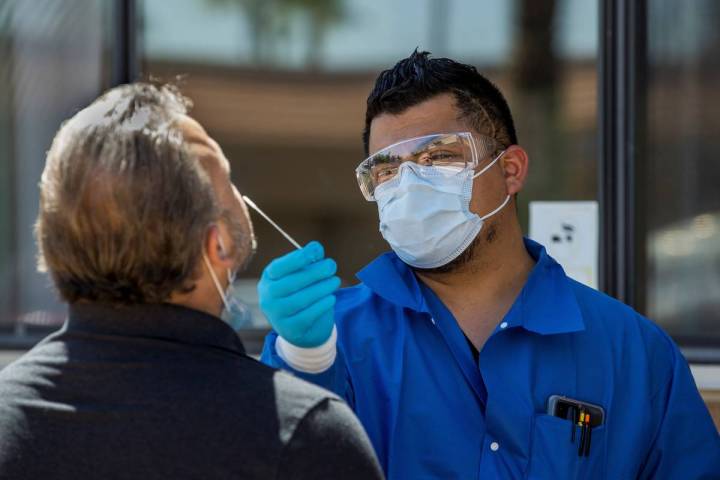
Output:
[[687, 444], [329, 443], [336, 378]]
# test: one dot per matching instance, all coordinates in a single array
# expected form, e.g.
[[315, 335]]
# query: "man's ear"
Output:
[[216, 249], [515, 168]]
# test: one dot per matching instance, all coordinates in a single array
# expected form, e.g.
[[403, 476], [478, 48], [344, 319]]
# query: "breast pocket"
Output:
[[554, 456]]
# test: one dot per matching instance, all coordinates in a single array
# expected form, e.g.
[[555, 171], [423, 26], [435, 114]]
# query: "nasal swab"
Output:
[[277, 227]]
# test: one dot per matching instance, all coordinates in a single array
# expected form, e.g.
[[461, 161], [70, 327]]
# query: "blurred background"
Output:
[[615, 101]]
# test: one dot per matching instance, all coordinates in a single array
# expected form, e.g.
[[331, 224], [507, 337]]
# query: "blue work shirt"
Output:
[[432, 411]]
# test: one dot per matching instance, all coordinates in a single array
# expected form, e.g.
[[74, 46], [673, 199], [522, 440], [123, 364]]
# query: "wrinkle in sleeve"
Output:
[[336, 378], [329, 443], [687, 444]]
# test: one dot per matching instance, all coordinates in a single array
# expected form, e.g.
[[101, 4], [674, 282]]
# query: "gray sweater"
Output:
[[164, 392]]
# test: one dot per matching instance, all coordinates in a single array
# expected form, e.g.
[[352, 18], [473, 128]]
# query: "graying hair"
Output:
[[124, 205]]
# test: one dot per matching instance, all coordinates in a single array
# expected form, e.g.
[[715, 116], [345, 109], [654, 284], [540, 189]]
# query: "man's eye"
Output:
[[386, 173], [443, 157]]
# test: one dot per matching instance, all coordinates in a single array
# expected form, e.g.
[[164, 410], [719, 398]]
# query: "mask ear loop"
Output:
[[485, 217], [215, 281], [214, 277], [507, 198], [231, 275], [487, 167]]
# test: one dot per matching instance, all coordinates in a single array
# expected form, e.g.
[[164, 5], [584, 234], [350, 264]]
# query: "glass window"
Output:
[[679, 176], [53, 62], [282, 86]]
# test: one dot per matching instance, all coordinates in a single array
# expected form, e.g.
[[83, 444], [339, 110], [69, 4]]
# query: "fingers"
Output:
[[320, 329], [294, 303], [296, 294], [313, 325], [301, 279], [294, 261]]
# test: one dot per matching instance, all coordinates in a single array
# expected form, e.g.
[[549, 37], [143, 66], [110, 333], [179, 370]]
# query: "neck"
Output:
[[204, 297], [480, 292]]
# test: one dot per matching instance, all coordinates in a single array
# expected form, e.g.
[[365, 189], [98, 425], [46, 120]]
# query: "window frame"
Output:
[[622, 103]]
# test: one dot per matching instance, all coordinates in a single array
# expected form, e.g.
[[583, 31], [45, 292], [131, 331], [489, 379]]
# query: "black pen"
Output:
[[573, 416]]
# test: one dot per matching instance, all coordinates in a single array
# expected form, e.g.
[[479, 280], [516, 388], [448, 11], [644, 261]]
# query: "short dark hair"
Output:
[[124, 205], [418, 78]]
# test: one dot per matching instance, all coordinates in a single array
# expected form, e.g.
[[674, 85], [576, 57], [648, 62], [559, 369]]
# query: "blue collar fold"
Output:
[[546, 305]]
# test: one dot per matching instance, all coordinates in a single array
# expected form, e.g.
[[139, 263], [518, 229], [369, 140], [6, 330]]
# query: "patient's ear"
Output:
[[215, 248]]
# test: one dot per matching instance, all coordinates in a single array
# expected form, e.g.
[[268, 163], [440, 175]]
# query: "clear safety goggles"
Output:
[[455, 152]]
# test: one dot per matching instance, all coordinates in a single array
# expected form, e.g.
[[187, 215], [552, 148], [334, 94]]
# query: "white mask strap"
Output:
[[489, 165], [215, 281], [230, 274], [507, 199]]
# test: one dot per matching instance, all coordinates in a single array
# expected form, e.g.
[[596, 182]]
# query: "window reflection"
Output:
[[53, 61], [679, 190]]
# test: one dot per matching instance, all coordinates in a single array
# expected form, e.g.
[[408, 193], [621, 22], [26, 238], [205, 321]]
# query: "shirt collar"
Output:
[[158, 321], [392, 279], [546, 304]]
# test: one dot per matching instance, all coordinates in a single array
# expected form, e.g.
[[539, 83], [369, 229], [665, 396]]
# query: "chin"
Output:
[[486, 236]]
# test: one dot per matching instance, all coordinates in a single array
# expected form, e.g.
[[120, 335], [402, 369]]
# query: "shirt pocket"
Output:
[[554, 456]]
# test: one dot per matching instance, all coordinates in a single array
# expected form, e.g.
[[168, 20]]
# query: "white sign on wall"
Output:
[[569, 232]]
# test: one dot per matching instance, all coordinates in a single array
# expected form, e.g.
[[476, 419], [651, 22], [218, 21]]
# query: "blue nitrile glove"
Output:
[[296, 295]]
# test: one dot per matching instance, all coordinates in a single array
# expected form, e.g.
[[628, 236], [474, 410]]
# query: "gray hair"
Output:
[[124, 205]]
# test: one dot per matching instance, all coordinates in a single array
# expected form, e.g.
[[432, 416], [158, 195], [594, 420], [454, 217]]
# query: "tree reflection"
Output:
[[270, 20]]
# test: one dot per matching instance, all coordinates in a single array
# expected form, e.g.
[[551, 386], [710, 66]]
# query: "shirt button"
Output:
[[503, 325], [494, 446]]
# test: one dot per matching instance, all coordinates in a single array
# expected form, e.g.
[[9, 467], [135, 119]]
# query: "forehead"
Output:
[[206, 149], [435, 115]]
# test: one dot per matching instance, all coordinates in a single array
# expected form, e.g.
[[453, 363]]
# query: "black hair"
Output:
[[418, 78]]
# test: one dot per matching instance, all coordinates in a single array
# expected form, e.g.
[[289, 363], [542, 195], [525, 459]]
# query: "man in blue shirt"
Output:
[[454, 346]]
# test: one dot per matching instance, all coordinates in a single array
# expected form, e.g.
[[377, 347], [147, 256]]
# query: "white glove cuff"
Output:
[[308, 360]]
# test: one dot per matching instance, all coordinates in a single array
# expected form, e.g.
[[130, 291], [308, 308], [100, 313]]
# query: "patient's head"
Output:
[[133, 192]]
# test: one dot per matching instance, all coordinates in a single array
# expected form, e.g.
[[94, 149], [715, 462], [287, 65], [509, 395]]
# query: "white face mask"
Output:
[[234, 312], [425, 213]]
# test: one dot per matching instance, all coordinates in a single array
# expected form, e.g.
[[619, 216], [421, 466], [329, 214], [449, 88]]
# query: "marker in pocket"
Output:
[[582, 415]]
